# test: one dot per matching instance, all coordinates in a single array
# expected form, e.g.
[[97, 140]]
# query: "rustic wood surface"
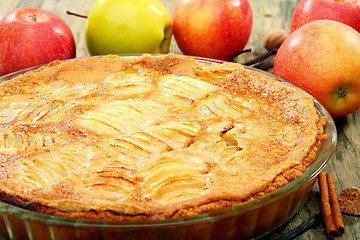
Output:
[[345, 162]]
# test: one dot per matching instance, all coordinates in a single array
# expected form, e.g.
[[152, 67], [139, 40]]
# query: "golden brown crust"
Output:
[[143, 138]]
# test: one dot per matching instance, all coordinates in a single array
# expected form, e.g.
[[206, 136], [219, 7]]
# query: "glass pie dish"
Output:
[[250, 219]]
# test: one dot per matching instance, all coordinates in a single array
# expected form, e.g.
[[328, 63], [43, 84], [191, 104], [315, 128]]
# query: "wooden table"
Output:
[[345, 162]]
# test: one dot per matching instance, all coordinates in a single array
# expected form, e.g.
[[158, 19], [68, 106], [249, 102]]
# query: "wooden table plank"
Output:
[[344, 164]]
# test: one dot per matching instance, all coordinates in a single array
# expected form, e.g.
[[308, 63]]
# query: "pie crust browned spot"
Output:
[[150, 137]]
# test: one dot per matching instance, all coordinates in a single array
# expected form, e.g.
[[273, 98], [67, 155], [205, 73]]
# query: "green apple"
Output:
[[128, 27]]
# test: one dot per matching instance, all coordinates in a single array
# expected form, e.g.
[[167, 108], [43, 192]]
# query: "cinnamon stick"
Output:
[[330, 206]]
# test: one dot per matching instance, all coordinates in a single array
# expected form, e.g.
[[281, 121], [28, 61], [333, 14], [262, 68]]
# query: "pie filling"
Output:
[[150, 137]]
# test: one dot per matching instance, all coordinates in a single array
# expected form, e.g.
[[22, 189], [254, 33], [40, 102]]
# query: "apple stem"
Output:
[[76, 14], [33, 18]]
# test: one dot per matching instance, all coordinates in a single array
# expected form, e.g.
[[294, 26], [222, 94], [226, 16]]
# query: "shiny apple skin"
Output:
[[33, 36], [323, 58], [128, 27], [347, 12], [217, 29]]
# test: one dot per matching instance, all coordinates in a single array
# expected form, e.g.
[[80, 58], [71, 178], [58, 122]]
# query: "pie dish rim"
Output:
[[325, 152]]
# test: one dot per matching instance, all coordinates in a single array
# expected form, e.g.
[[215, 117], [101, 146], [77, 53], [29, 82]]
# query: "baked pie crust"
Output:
[[150, 137]]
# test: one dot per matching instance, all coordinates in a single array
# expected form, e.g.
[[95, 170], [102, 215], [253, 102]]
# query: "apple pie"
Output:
[[150, 137]]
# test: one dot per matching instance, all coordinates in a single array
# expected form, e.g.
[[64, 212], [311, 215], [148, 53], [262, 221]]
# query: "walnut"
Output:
[[274, 38], [349, 201]]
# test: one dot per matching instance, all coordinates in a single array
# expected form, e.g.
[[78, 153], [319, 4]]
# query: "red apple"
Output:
[[345, 11], [217, 29], [323, 58], [32, 36]]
